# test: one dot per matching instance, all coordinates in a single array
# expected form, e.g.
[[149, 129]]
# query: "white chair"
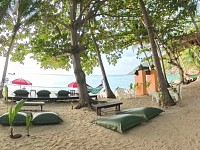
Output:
[[102, 95], [131, 93], [121, 93], [176, 93], [154, 94]]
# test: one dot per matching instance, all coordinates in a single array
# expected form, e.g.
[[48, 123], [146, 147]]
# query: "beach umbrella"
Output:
[[21, 81], [73, 85]]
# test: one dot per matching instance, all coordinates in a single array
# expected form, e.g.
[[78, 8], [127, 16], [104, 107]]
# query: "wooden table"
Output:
[[34, 104], [107, 105]]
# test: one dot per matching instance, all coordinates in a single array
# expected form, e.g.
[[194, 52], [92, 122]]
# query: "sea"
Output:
[[56, 82]]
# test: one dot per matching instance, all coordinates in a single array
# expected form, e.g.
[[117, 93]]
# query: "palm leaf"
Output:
[[10, 116], [18, 106], [28, 120]]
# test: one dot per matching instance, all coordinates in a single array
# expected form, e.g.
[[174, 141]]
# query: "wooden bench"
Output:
[[107, 105], [34, 104]]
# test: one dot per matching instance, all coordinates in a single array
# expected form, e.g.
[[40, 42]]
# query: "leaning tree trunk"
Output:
[[109, 92], [162, 63], [7, 59], [163, 86], [4, 9]]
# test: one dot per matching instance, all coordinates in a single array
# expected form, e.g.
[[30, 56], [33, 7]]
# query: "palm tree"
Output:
[[24, 13], [109, 92], [161, 78]]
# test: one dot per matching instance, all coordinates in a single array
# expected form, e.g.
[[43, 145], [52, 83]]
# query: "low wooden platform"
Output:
[[34, 104], [107, 105], [49, 99]]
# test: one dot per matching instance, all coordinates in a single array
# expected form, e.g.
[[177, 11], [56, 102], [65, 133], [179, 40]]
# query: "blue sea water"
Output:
[[56, 82]]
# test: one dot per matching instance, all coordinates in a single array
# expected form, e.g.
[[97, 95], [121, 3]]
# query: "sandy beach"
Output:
[[175, 129]]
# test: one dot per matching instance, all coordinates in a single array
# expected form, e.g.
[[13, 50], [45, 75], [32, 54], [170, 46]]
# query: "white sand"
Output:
[[175, 129]]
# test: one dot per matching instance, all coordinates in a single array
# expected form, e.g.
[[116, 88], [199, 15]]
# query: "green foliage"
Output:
[[131, 86], [11, 116], [135, 86], [28, 122], [6, 93], [13, 111], [118, 26], [52, 38], [22, 21], [191, 58], [147, 84]]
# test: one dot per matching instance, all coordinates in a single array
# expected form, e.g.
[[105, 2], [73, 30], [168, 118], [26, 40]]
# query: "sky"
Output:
[[125, 64]]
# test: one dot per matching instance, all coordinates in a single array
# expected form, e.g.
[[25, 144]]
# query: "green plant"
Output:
[[135, 86], [147, 84], [28, 122], [11, 116], [6, 93], [131, 86]]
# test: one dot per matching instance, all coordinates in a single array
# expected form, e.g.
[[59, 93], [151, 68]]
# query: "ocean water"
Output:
[[56, 82]]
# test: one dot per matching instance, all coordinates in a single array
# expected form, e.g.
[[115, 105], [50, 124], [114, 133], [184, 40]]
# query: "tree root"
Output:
[[16, 136], [171, 103]]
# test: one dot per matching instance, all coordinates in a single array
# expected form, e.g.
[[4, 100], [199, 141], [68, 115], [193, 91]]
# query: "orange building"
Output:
[[142, 80]]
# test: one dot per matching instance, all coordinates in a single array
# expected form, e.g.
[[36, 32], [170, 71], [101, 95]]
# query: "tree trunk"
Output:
[[161, 79], [162, 63], [7, 59], [109, 92], [181, 72], [11, 131], [84, 99]]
